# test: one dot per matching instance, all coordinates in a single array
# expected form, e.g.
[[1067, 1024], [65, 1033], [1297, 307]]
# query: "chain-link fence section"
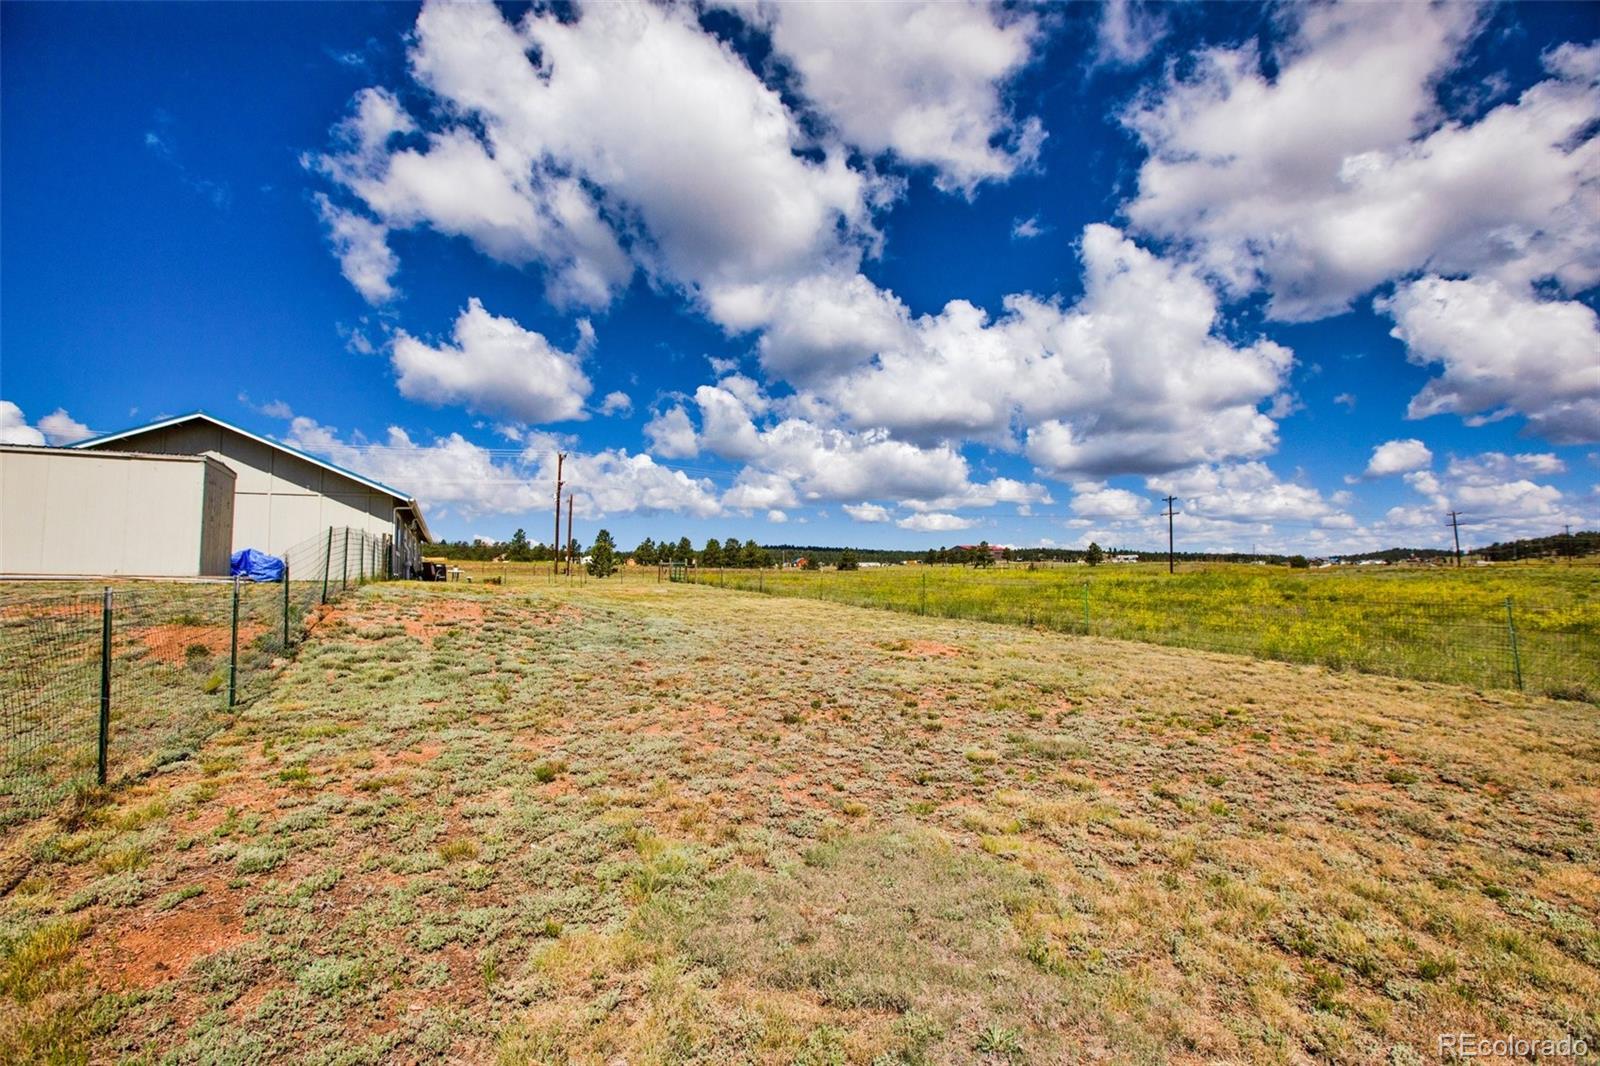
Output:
[[1481, 642], [98, 686]]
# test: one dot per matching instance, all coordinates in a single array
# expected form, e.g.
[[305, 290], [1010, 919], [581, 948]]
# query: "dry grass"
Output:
[[651, 823]]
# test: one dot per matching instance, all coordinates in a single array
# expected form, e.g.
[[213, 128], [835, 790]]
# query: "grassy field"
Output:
[[641, 823], [1424, 623]]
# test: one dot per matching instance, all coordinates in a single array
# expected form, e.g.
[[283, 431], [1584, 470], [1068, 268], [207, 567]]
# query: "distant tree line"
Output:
[[1584, 542], [747, 554], [731, 552]]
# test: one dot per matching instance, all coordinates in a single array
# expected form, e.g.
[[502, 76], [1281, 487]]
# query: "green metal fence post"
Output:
[[344, 561], [922, 600], [327, 565], [105, 688], [286, 605], [233, 652], [1085, 608], [1516, 656], [361, 562]]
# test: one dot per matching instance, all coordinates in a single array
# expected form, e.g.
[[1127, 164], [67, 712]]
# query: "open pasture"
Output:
[[1535, 627], [658, 823]]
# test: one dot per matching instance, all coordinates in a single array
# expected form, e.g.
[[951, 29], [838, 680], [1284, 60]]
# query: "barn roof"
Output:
[[406, 501]]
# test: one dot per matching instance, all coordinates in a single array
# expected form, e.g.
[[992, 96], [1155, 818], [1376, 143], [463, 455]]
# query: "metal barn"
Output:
[[282, 496]]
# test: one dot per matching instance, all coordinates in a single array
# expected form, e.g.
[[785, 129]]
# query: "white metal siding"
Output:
[[280, 499], [90, 513]]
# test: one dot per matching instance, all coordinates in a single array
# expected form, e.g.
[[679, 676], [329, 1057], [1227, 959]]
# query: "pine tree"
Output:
[[603, 555], [645, 553], [848, 560], [518, 551], [684, 552], [1095, 555], [711, 555]]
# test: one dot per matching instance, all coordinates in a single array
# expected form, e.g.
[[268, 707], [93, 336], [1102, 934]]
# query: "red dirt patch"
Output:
[[932, 650], [87, 608], [425, 752], [164, 946], [170, 644], [434, 616]]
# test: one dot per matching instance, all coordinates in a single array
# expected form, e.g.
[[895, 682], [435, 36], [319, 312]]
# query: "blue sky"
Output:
[[890, 276]]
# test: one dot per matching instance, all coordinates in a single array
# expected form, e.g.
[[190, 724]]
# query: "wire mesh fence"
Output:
[[102, 683], [1483, 642]]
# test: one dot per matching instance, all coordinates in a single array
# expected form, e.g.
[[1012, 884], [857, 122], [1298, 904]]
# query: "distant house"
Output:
[[1124, 558], [282, 496]]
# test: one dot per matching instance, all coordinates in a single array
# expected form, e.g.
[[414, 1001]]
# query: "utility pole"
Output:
[[569, 534], [555, 541], [1455, 526], [1169, 513]]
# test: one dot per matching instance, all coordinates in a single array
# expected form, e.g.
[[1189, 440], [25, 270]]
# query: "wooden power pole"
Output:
[[1455, 527], [1169, 513], [555, 541]]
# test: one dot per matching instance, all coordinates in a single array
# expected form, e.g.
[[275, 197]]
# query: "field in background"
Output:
[[1535, 627], [659, 823]]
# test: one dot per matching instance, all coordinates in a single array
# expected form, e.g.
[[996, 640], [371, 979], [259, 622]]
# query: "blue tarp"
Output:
[[256, 566]]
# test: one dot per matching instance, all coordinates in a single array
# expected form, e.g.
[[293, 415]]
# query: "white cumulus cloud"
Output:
[[1398, 457], [923, 80], [362, 247], [935, 522], [453, 473], [56, 428], [14, 428], [1128, 31], [496, 367], [1339, 172], [867, 512], [1502, 351], [671, 434]]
